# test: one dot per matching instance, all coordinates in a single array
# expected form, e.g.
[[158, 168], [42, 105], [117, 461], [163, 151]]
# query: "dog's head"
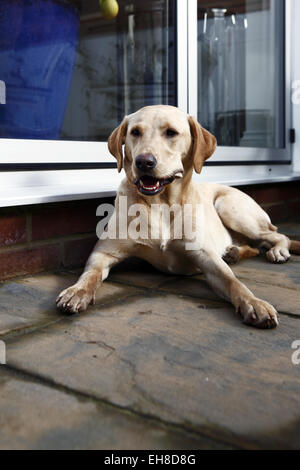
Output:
[[162, 143]]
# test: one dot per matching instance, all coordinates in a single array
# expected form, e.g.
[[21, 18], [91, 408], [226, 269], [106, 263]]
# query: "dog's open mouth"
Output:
[[150, 186]]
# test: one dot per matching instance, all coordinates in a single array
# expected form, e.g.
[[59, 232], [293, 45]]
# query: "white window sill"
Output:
[[39, 187], [24, 188]]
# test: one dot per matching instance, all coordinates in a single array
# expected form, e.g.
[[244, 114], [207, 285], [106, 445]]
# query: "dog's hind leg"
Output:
[[242, 214]]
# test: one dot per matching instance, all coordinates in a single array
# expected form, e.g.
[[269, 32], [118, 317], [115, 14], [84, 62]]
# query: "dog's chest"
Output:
[[168, 256], [171, 242], [164, 245]]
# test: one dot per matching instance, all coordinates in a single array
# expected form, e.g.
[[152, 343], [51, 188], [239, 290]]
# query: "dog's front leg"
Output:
[[79, 296], [254, 311]]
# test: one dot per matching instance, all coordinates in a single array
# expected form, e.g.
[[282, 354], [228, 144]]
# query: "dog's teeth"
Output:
[[150, 188]]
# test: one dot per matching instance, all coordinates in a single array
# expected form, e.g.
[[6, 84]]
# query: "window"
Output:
[[68, 76], [242, 75]]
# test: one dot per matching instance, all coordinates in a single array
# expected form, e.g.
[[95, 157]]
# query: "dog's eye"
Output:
[[171, 133], [136, 132]]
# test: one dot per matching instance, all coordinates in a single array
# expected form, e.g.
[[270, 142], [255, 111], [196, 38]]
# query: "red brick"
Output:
[[61, 221], [283, 211], [293, 209], [287, 193], [265, 195], [78, 251], [29, 260], [12, 230], [277, 212]]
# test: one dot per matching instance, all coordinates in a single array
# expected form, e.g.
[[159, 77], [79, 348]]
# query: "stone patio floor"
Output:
[[160, 362]]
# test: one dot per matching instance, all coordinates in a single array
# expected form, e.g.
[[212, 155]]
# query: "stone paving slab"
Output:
[[285, 300], [194, 286], [30, 302], [278, 275], [155, 346], [39, 417], [277, 284], [184, 361], [138, 273]]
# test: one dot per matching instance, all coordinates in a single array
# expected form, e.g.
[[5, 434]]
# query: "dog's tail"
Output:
[[295, 247]]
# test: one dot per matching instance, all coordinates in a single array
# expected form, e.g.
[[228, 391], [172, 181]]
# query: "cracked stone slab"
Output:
[[285, 275], [38, 417], [277, 284], [284, 300], [178, 359], [30, 301]]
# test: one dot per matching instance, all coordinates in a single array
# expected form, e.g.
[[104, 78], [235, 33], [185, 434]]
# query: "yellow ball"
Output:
[[110, 9]]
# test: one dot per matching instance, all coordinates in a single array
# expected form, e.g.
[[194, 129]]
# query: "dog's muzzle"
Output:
[[147, 183]]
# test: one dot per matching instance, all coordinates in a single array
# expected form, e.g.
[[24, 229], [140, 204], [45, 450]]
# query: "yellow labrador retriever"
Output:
[[162, 147]]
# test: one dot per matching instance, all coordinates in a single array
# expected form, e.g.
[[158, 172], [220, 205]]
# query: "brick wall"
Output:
[[61, 235], [47, 236], [280, 201]]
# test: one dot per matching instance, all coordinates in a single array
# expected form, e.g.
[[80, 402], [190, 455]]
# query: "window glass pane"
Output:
[[241, 71], [68, 73]]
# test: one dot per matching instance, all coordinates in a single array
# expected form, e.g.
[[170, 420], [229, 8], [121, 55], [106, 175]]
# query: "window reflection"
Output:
[[241, 71], [70, 74]]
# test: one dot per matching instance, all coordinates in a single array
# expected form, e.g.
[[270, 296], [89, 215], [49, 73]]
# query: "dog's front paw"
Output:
[[74, 299], [258, 313]]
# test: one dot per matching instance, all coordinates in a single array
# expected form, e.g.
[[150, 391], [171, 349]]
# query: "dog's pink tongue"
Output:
[[149, 182]]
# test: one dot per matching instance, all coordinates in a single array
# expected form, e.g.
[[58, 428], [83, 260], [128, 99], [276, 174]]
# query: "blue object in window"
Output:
[[38, 45]]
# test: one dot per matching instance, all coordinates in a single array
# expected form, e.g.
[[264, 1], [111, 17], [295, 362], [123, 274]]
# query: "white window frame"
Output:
[[48, 185]]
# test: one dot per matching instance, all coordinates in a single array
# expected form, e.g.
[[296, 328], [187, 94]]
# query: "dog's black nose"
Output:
[[145, 162]]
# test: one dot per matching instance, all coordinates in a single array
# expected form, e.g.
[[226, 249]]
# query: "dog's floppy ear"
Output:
[[203, 144], [116, 141]]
